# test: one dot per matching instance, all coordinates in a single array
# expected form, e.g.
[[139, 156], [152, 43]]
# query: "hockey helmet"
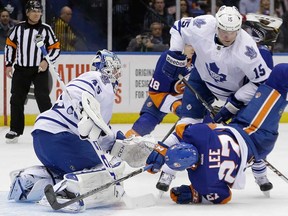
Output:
[[264, 29], [228, 18], [181, 156], [32, 5], [108, 64]]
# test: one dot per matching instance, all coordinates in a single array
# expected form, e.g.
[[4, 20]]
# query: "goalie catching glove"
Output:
[[134, 150]]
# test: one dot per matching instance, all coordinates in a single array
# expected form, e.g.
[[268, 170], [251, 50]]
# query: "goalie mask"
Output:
[[181, 156], [264, 29], [108, 64]]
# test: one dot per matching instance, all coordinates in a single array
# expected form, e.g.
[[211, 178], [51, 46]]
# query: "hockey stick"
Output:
[[204, 103], [170, 131], [276, 171], [129, 201], [52, 199], [212, 111]]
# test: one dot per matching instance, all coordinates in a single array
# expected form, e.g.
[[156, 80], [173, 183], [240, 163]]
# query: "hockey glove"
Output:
[[157, 157], [120, 135], [175, 64], [176, 108], [184, 195], [231, 107]]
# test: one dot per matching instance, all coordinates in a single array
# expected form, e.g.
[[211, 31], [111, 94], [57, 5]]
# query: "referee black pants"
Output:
[[22, 79]]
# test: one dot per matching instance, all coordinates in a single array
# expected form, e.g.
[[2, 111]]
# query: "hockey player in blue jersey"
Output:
[[228, 66], [165, 96], [264, 31], [216, 155]]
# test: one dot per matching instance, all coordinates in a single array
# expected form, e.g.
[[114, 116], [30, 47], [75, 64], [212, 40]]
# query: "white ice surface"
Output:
[[248, 202]]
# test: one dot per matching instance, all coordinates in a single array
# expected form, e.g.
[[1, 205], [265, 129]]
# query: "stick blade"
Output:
[[51, 197]]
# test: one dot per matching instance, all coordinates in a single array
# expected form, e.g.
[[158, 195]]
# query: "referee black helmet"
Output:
[[32, 5]]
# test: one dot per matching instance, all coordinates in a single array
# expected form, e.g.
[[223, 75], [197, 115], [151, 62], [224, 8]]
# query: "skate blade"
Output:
[[266, 194], [160, 194]]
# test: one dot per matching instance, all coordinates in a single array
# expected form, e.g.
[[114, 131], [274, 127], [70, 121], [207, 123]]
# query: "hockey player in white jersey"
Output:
[[63, 140], [228, 66]]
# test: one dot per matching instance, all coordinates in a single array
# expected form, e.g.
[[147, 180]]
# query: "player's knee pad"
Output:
[[28, 184], [78, 183]]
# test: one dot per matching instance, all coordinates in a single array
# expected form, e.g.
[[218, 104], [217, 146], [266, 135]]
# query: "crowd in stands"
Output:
[[141, 26]]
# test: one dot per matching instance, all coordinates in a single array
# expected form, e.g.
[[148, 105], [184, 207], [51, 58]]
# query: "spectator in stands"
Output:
[[158, 14], [195, 9], [231, 3], [249, 6], [15, 9], [264, 7], [5, 25], [151, 41], [184, 8], [282, 41], [64, 31], [127, 19]]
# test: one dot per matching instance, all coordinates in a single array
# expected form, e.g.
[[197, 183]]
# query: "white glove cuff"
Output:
[[231, 108]]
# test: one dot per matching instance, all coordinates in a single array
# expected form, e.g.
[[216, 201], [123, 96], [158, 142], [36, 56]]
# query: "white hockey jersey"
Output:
[[225, 70], [61, 116]]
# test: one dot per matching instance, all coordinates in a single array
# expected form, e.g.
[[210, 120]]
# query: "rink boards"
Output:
[[137, 70]]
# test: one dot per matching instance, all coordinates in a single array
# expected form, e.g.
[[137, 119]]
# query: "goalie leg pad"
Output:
[[81, 182], [28, 184]]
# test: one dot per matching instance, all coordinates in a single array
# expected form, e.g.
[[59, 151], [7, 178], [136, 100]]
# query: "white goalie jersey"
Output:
[[61, 117], [225, 70]]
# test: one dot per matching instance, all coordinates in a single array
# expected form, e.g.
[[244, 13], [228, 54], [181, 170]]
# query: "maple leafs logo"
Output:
[[213, 70], [199, 22], [250, 52]]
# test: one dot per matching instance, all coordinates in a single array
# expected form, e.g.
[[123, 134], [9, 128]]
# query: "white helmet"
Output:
[[108, 64], [228, 18]]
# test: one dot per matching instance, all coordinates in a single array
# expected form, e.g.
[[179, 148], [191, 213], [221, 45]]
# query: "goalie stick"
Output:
[[212, 112], [130, 202], [52, 198]]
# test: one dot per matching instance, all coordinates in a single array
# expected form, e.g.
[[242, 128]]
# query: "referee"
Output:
[[29, 66]]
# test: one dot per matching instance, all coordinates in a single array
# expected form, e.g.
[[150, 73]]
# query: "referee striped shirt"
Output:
[[20, 45]]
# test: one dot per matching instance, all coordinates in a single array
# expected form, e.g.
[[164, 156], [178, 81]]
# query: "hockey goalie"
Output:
[[72, 138]]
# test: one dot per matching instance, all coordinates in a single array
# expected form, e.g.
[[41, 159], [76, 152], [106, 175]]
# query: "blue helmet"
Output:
[[108, 64], [181, 156]]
